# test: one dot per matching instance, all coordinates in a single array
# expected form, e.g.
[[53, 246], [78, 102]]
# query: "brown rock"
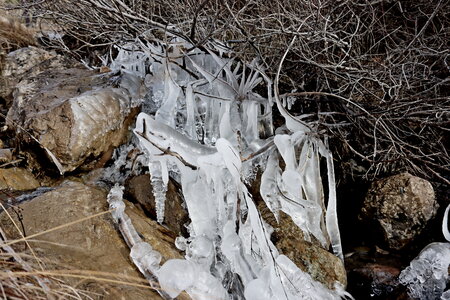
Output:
[[75, 113], [5, 155], [140, 189], [17, 179], [93, 244], [289, 239], [310, 257], [399, 206]]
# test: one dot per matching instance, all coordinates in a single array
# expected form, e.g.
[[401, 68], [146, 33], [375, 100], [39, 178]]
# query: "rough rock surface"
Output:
[[140, 189], [17, 179], [93, 244], [77, 114], [310, 257], [400, 206]]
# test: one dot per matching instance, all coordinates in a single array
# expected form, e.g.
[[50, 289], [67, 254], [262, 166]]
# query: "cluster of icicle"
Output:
[[208, 130], [427, 275]]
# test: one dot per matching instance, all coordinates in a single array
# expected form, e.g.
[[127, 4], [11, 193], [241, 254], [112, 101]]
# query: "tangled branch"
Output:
[[374, 74]]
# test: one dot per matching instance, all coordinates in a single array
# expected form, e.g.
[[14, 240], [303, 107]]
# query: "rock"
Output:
[[310, 257], [93, 244], [5, 155], [289, 239], [17, 179], [76, 114], [400, 207], [140, 190], [373, 274]]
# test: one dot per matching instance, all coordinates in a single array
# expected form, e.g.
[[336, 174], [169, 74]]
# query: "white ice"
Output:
[[206, 131]]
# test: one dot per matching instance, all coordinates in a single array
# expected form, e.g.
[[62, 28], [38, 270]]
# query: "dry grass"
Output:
[[13, 35], [25, 275], [57, 281]]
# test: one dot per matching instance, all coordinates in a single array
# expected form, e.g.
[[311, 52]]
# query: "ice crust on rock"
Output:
[[210, 132], [427, 275]]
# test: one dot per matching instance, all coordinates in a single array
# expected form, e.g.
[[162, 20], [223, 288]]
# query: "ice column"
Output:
[[159, 188]]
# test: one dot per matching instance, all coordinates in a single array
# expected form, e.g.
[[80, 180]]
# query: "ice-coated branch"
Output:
[[445, 230], [144, 257]]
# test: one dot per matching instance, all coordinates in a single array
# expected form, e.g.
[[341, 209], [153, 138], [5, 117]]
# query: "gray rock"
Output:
[[91, 245], [75, 113], [400, 206]]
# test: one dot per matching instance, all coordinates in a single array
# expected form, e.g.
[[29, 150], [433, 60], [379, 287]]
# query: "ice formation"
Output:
[[427, 275], [144, 257], [210, 131]]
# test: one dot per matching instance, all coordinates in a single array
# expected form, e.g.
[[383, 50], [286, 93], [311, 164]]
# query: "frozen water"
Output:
[[145, 257], [427, 275], [178, 275], [159, 179], [211, 132]]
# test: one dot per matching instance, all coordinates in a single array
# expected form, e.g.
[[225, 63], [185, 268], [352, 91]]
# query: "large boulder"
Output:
[[76, 114], [400, 207], [93, 244]]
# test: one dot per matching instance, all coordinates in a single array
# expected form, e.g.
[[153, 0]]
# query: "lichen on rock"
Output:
[[400, 206]]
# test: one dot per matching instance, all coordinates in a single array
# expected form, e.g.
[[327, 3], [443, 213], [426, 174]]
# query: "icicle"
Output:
[[190, 115], [203, 133], [166, 113], [331, 214], [251, 124], [159, 184], [178, 275], [286, 149], [144, 257], [445, 230], [231, 248], [269, 187]]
